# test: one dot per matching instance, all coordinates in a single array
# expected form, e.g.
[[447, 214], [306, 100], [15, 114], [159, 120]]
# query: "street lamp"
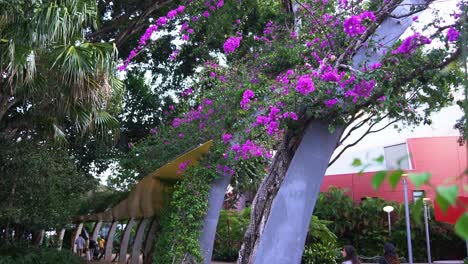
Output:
[[426, 222], [389, 209], [407, 216]]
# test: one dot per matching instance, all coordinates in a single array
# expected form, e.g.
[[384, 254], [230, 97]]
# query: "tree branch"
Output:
[[368, 131]]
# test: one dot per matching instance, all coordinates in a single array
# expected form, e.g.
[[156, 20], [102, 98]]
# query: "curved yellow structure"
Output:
[[151, 193]]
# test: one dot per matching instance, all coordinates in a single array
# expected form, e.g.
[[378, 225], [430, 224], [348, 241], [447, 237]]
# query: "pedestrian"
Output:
[[80, 245], [350, 255], [93, 249], [102, 245], [390, 256]]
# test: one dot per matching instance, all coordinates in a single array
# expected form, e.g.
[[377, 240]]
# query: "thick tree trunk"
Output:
[[266, 193]]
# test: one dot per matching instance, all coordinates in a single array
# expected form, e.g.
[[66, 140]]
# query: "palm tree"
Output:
[[47, 67]]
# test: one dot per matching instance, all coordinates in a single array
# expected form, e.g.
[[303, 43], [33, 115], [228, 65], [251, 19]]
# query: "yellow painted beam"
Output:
[[151, 193]]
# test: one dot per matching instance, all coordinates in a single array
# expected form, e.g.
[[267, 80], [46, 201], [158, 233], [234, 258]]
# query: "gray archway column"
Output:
[[96, 229], [110, 241], [149, 242], [286, 229], [124, 242], [215, 203], [78, 230], [138, 241], [60, 238], [283, 238]]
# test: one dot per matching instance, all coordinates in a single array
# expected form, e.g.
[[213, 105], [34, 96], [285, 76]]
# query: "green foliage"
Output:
[[321, 244], [40, 186], [230, 233], [365, 226], [461, 227], [51, 73], [33, 255], [378, 179], [446, 196], [317, 253], [182, 220], [419, 179]]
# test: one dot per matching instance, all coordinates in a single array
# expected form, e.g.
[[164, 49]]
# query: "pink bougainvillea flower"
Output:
[[227, 138], [246, 97], [231, 44], [305, 85], [452, 34], [331, 102], [411, 43]]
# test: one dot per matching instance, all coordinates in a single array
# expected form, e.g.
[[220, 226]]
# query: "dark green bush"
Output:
[[31, 255], [321, 244], [229, 234], [364, 225]]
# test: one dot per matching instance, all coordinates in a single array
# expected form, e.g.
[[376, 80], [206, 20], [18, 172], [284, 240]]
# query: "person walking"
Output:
[[80, 245], [102, 245], [93, 249], [390, 256], [350, 255]]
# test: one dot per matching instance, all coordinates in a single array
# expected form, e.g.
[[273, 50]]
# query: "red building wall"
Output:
[[443, 157]]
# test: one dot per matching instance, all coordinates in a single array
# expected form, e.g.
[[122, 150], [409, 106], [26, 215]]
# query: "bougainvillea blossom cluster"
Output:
[[353, 25], [231, 44], [411, 43]]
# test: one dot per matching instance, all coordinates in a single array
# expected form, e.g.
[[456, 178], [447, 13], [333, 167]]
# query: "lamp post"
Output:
[[407, 216], [389, 209], [426, 222]]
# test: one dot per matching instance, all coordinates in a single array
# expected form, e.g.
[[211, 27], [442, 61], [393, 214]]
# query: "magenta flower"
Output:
[[231, 44], [293, 115], [183, 166], [171, 14], [452, 34], [305, 85], [331, 102], [353, 25], [154, 131], [161, 21], [180, 9], [206, 14], [411, 43], [227, 138], [245, 102]]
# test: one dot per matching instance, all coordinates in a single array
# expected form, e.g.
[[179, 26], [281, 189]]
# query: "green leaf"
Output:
[[377, 179], [446, 196], [379, 159], [461, 227], [357, 163], [395, 177], [417, 212], [420, 178]]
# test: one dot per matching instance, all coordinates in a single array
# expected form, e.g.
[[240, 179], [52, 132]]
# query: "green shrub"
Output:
[[32, 255], [320, 253], [229, 234], [321, 244]]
